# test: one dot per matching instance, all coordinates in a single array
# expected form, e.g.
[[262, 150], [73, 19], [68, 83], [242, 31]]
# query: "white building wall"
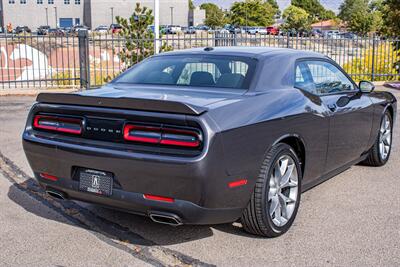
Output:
[[33, 14], [199, 15], [101, 11], [98, 12]]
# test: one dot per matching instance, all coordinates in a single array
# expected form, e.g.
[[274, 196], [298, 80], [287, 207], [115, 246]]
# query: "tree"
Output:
[[275, 6], [138, 38], [191, 5], [358, 15], [215, 17], [315, 10], [252, 13], [296, 18], [391, 17]]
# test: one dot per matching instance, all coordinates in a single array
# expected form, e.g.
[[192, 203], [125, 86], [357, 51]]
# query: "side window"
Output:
[[303, 79], [327, 78]]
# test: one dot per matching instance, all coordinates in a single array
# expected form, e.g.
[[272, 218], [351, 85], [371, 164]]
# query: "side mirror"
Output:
[[366, 87]]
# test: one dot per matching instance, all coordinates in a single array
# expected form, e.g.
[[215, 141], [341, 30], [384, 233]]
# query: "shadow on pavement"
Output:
[[111, 223]]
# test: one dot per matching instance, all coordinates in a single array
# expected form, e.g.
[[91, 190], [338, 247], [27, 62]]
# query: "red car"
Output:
[[272, 31], [115, 28]]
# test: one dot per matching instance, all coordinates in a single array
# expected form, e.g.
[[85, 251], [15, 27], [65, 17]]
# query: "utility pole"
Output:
[[47, 16], [112, 15], [172, 15], [156, 26], [55, 14]]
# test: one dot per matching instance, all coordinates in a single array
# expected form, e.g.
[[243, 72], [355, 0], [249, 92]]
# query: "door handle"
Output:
[[332, 107]]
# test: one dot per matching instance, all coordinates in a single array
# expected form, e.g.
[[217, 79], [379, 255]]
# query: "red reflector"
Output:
[[237, 183], [49, 177], [180, 143], [158, 198]]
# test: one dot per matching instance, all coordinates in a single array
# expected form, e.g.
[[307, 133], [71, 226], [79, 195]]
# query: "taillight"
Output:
[[58, 124], [162, 135]]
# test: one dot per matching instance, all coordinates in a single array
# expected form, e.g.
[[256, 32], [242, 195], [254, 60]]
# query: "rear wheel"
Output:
[[276, 197], [380, 152]]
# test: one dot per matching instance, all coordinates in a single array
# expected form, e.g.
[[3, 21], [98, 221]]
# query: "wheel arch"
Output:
[[389, 108], [297, 143]]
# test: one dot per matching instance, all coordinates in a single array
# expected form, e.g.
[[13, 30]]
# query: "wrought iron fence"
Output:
[[90, 60]]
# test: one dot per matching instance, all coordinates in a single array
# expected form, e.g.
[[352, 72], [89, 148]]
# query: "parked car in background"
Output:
[[173, 29], [22, 29], [211, 135], [189, 30], [333, 34], [43, 30], [75, 29], [202, 28], [102, 29], [272, 30], [348, 35], [56, 32], [316, 32], [252, 30], [262, 31], [115, 28], [234, 30]]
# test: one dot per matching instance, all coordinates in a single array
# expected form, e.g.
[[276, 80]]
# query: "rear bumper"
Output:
[[188, 212], [199, 186]]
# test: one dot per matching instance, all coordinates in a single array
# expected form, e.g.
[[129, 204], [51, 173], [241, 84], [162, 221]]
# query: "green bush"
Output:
[[384, 63]]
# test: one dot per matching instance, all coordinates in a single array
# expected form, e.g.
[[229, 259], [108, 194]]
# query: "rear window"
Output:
[[193, 71]]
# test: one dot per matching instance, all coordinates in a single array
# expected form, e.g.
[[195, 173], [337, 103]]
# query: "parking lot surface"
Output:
[[351, 220]]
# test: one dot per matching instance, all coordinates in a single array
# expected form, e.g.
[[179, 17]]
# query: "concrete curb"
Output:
[[34, 91]]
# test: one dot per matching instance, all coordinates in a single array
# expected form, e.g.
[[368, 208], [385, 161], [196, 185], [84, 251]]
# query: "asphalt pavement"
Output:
[[352, 219]]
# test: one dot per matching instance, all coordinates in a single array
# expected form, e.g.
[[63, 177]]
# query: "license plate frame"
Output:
[[96, 182]]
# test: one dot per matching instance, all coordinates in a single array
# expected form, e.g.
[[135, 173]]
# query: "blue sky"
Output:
[[330, 4]]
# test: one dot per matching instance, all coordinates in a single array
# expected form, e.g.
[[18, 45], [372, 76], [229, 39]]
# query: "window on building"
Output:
[[11, 1], [39, 2], [77, 2], [66, 2], [23, 2], [50, 2]]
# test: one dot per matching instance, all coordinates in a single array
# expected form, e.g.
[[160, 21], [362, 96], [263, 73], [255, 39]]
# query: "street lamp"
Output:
[[156, 26], [55, 14], [47, 16], [172, 15], [112, 15]]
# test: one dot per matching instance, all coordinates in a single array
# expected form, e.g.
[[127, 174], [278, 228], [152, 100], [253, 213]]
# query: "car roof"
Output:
[[257, 51], [278, 64]]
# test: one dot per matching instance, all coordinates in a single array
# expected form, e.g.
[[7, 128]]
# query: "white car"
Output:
[[252, 30], [263, 31], [102, 29]]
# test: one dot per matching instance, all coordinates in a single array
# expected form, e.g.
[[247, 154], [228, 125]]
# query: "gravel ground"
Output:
[[350, 220]]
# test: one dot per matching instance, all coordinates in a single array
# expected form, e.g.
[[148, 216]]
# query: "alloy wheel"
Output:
[[283, 190], [385, 137]]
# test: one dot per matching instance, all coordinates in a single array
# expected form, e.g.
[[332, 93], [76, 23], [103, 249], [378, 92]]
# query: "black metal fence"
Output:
[[89, 60]]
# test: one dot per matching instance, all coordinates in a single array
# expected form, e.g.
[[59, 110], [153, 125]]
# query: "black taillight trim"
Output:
[[162, 135], [58, 124]]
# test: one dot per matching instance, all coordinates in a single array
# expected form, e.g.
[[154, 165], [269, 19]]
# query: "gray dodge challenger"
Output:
[[210, 135]]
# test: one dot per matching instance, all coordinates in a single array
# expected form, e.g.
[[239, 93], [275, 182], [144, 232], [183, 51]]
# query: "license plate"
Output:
[[97, 182]]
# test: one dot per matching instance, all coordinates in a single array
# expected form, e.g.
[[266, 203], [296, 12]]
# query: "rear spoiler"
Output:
[[121, 103]]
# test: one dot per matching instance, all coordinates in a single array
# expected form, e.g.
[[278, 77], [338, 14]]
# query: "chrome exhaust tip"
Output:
[[56, 194], [165, 218]]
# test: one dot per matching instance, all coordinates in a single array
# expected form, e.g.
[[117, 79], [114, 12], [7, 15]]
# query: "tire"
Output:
[[375, 156], [257, 218]]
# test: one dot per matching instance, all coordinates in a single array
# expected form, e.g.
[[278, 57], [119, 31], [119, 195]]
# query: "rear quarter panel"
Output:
[[250, 126]]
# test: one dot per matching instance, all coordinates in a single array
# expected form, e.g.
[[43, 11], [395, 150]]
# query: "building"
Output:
[[196, 16], [92, 13], [327, 25]]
